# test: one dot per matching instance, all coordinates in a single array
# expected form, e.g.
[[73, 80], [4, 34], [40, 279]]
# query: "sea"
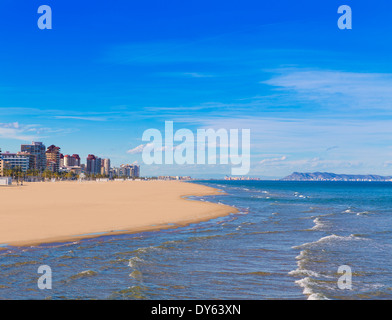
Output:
[[289, 240]]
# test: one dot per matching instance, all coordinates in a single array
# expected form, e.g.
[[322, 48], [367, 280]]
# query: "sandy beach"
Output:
[[45, 212]]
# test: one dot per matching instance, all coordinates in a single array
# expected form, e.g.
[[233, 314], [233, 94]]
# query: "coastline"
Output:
[[56, 212]]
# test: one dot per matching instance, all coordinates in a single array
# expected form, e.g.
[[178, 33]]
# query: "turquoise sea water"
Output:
[[287, 242]]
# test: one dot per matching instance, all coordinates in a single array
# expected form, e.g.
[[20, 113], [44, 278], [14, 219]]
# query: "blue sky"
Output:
[[316, 98]]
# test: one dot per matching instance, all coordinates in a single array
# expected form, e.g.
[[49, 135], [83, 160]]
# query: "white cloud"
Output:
[[337, 89], [17, 131], [82, 118], [197, 75], [272, 161], [139, 148]]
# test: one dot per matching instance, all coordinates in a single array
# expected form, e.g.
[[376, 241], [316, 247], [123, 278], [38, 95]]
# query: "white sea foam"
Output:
[[317, 296], [363, 213], [330, 238], [304, 272], [301, 263], [297, 194], [318, 224], [302, 255], [306, 284], [133, 261]]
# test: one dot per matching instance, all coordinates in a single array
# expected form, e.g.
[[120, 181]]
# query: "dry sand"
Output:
[[44, 212]]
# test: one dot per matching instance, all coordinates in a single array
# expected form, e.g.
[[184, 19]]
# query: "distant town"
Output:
[[35, 162], [241, 178]]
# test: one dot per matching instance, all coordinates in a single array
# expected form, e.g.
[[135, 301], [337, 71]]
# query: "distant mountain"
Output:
[[326, 176]]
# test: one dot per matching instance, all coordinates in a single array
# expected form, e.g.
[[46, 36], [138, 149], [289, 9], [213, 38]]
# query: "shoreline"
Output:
[[153, 216]]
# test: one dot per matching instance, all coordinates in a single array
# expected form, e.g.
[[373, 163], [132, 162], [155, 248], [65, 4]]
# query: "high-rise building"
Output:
[[1, 167], [128, 170], [93, 164], [76, 160], [16, 160], [90, 164], [53, 158], [37, 149], [98, 165], [32, 158], [68, 161], [72, 161], [105, 166], [136, 170]]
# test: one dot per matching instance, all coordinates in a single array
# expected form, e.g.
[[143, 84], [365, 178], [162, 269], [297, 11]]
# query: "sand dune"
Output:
[[44, 212]]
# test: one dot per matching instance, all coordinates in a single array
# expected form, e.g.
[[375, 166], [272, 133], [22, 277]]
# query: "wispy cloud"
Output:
[[336, 89], [151, 146], [198, 75], [29, 132], [185, 74], [139, 148], [87, 118], [17, 131], [272, 161], [312, 164]]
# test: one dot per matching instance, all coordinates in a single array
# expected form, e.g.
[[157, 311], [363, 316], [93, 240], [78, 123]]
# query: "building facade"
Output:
[[127, 170], [72, 161], [61, 160], [93, 164], [105, 166], [76, 160], [16, 160], [68, 161], [53, 158], [37, 149]]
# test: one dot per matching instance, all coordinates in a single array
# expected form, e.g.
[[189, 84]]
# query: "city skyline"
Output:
[[35, 157], [315, 97]]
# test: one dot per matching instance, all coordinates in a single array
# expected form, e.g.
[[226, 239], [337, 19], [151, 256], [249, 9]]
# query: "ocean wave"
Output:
[[364, 213], [307, 284], [299, 195], [136, 275], [318, 224], [330, 238], [86, 273], [357, 211], [133, 261], [304, 272], [302, 254], [317, 296], [133, 292]]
